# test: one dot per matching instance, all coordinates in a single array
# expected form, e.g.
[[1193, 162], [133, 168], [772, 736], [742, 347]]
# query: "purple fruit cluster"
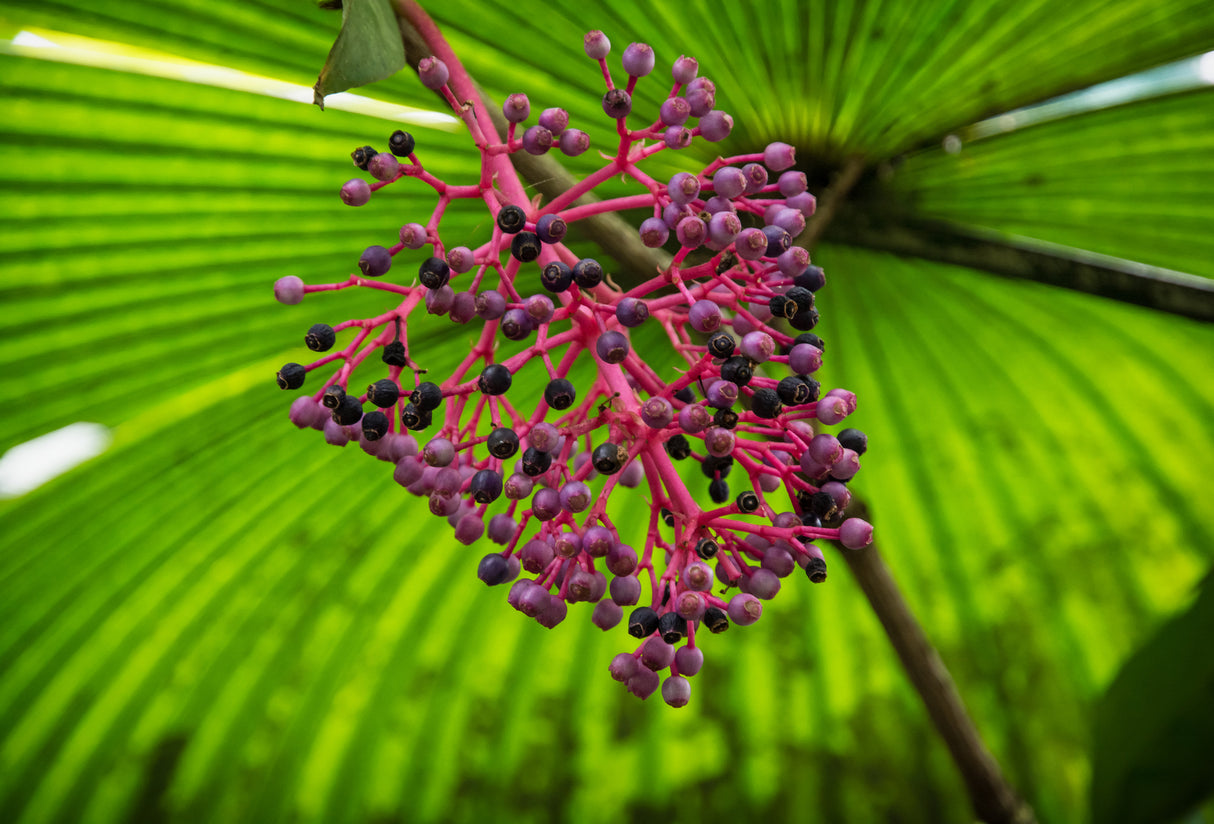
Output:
[[535, 473]]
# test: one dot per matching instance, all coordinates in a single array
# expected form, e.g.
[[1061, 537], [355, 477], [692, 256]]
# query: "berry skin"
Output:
[[511, 219], [461, 259], [413, 235], [493, 569], [375, 261], [433, 73], [551, 228], [427, 396], [609, 458], [638, 59], [737, 370], [766, 404], [750, 244], [674, 111], [535, 463], [375, 425], [401, 143], [596, 44], [683, 188], [758, 346], [678, 448], [348, 412], [486, 486], [383, 393], [320, 337], [573, 142], [289, 290], [291, 376], [691, 232], [525, 247], [560, 394], [747, 501], [384, 167], [854, 439], [557, 277], [394, 354], [643, 622], [587, 273], [657, 413], [537, 140], [677, 137], [631, 312], [716, 620], [612, 347], [490, 305], [705, 316], [676, 691], [617, 103], [723, 229], [516, 108], [356, 192], [495, 379], [718, 490], [502, 443], [362, 156], [745, 609]]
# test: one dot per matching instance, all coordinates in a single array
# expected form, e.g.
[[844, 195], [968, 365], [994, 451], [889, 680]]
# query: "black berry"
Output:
[[737, 370], [511, 219], [427, 396], [383, 393], [291, 376], [557, 277], [803, 297], [725, 418], [485, 486], [587, 273], [362, 156], [747, 501], [766, 404], [782, 306], [394, 354], [685, 395], [348, 412], [401, 143], [813, 278], [320, 337], [673, 627], [793, 391], [678, 448], [525, 247], [718, 490], [502, 443], [811, 339], [720, 345], [434, 272], [608, 458], [536, 462], [707, 548], [642, 622], [804, 321], [714, 466], [560, 394], [716, 620], [815, 570], [375, 425], [332, 396], [495, 379], [854, 439], [667, 517]]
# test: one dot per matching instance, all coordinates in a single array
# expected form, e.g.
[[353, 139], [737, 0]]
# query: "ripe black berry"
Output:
[[560, 394], [678, 448], [502, 443], [383, 393], [427, 396], [792, 391], [394, 354], [525, 247], [495, 379], [725, 418], [810, 519], [803, 297], [608, 458], [720, 345], [707, 548], [811, 339], [822, 504], [642, 622], [413, 418], [766, 404], [854, 440], [401, 143], [804, 321], [486, 486], [375, 425], [673, 627], [535, 462], [782, 306], [493, 569], [320, 337], [511, 219], [434, 272], [291, 376], [348, 412], [557, 277], [813, 278], [737, 370], [716, 620], [713, 466], [815, 388], [747, 501], [718, 490], [815, 570], [332, 396], [667, 517], [587, 273], [685, 395], [362, 156]]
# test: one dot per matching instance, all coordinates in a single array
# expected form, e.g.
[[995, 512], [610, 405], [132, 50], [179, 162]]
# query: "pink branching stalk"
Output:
[[537, 473]]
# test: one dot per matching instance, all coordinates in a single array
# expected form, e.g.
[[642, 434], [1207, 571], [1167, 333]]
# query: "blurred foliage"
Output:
[[222, 619]]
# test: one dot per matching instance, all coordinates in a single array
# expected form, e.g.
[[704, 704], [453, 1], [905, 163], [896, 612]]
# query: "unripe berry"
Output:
[[537, 140], [715, 126], [413, 235], [779, 156], [596, 44], [554, 120], [433, 73], [638, 59], [573, 142], [617, 103], [356, 192], [684, 69], [384, 166], [654, 232], [516, 108]]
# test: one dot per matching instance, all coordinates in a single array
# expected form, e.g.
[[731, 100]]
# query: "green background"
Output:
[[223, 619]]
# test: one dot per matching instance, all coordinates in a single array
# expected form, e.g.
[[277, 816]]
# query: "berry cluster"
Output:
[[536, 474]]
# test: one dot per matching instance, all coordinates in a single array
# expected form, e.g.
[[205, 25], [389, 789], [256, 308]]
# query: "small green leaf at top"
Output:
[[367, 49], [1154, 732]]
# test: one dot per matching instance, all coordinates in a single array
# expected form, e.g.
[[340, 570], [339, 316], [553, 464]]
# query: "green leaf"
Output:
[[1153, 728], [368, 48]]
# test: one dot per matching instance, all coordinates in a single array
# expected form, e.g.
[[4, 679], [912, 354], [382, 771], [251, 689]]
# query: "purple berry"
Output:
[[517, 487], [621, 560], [689, 660], [750, 244], [674, 111], [694, 418], [468, 531], [790, 220], [657, 412], [677, 137], [758, 346], [729, 181], [384, 166], [719, 442], [792, 183], [516, 324], [701, 101], [573, 142], [716, 205], [439, 301], [539, 308], [490, 305], [764, 584], [632, 475], [438, 452], [831, 410], [631, 312], [683, 188], [625, 590], [676, 691], [612, 347], [656, 653], [691, 232], [705, 316], [846, 467], [654, 232], [644, 682], [375, 261], [684, 69], [516, 108], [554, 120], [607, 614], [537, 140], [698, 576], [433, 73], [723, 228], [596, 44], [413, 235], [355, 192], [546, 504], [575, 497], [804, 202], [690, 605], [493, 568], [502, 528], [756, 177], [553, 612], [290, 290], [617, 103], [793, 261], [536, 554], [856, 533], [715, 126], [744, 609], [551, 228], [638, 59], [722, 394], [779, 156]]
